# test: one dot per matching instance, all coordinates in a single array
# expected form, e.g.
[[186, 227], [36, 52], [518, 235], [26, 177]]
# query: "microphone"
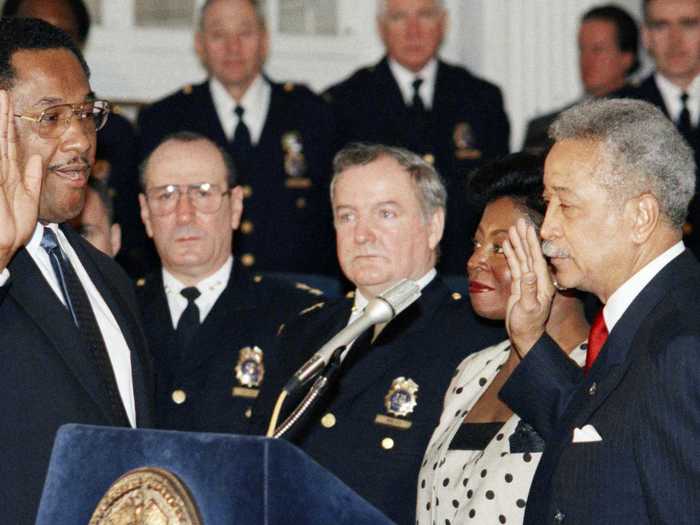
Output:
[[381, 309]]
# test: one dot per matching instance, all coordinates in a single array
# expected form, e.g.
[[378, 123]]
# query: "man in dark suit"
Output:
[[622, 436], [72, 346], [279, 136], [117, 152], [671, 35], [211, 348], [372, 428], [608, 42], [413, 99]]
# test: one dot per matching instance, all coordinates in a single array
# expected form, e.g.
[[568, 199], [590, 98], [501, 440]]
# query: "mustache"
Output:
[[79, 161], [187, 231], [549, 249]]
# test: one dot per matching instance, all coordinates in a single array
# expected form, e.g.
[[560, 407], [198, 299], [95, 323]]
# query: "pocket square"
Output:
[[587, 434]]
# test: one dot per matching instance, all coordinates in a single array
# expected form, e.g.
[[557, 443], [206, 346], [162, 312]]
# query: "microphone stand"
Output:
[[328, 374]]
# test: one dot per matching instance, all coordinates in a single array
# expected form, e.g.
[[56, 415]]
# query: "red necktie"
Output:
[[596, 340]]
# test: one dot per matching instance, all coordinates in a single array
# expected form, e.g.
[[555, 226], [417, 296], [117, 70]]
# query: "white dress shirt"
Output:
[[405, 77], [210, 289], [621, 298], [671, 95], [117, 348], [255, 101]]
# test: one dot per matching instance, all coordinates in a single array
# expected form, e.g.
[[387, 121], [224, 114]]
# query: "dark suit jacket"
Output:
[[286, 224], [537, 133], [425, 343], [467, 125], [48, 374], [248, 313], [641, 396]]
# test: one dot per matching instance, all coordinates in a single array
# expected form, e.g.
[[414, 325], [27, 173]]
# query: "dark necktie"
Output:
[[684, 125], [189, 320], [417, 102], [596, 340], [241, 144], [79, 307]]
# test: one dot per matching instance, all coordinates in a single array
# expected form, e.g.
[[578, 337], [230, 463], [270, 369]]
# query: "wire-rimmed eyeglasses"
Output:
[[204, 196], [54, 121]]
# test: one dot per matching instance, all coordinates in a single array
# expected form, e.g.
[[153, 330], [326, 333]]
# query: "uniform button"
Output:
[[429, 158], [456, 296], [247, 191], [246, 227], [387, 443], [559, 517], [248, 259], [248, 413], [301, 202], [179, 396], [593, 389], [328, 421]]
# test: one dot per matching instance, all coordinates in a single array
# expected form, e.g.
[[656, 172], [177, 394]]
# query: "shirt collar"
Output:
[[405, 77], [622, 298], [255, 101], [361, 302], [214, 283], [671, 95]]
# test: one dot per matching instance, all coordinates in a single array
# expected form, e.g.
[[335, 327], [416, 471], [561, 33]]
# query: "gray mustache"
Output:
[[549, 249]]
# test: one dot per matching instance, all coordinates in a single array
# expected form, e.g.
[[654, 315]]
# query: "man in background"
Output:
[[96, 222], [279, 136], [413, 99], [210, 323], [608, 42]]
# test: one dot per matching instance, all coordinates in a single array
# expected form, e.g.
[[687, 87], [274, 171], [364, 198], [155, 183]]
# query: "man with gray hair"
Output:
[[413, 99], [622, 436], [279, 136], [373, 427]]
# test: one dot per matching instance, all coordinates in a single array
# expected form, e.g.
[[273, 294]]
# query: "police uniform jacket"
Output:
[[466, 125], [200, 391], [351, 432], [286, 224]]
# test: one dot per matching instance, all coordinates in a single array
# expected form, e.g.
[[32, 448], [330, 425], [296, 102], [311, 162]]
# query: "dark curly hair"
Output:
[[517, 176], [77, 7]]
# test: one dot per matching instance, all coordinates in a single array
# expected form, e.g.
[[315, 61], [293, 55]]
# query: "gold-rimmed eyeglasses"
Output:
[[54, 121], [204, 196]]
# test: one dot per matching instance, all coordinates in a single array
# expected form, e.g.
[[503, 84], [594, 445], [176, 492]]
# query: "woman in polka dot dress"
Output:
[[481, 458]]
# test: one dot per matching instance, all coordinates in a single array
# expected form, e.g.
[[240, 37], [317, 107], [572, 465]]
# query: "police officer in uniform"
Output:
[[413, 99], [279, 135], [372, 428], [209, 322]]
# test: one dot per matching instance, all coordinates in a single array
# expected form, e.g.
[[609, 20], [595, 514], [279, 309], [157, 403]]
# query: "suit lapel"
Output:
[[31, 291], [394, 110], [203, 116]]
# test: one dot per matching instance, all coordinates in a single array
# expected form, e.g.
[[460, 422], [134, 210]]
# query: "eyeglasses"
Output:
[[54, 121], [205, 197]]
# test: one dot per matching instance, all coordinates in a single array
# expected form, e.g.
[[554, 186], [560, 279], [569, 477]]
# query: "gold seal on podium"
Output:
[[147, 496]]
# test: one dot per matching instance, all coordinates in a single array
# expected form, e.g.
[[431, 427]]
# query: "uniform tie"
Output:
[[79, 307], [417, 102], [241, 144], [189, 320], [596, 340], [684, 125]]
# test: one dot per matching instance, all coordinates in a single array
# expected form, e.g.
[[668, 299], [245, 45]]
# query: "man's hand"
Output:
[[531, 290], [19, 193]]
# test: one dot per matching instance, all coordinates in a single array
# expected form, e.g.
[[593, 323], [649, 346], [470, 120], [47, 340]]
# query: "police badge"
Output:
[[399, 401], [294, 161], [463, 138], [249, 372]]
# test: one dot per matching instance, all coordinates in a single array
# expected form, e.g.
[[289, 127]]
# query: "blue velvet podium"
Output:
[[233, 479]]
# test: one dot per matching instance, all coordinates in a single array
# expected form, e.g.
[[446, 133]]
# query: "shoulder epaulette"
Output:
[[307, 288]]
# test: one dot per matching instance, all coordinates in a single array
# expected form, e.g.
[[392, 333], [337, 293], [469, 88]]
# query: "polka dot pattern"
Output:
[[469, 486]]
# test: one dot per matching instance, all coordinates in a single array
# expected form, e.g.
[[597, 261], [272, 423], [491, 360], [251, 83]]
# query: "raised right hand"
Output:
[[19, 192]]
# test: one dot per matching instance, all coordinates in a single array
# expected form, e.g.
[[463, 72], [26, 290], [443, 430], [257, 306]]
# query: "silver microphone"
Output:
[[381, 309]]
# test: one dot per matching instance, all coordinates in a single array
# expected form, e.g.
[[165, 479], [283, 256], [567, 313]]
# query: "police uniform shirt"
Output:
[[210, 289], [671, 95], [405, 78], [117, 348], [255, 102]]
